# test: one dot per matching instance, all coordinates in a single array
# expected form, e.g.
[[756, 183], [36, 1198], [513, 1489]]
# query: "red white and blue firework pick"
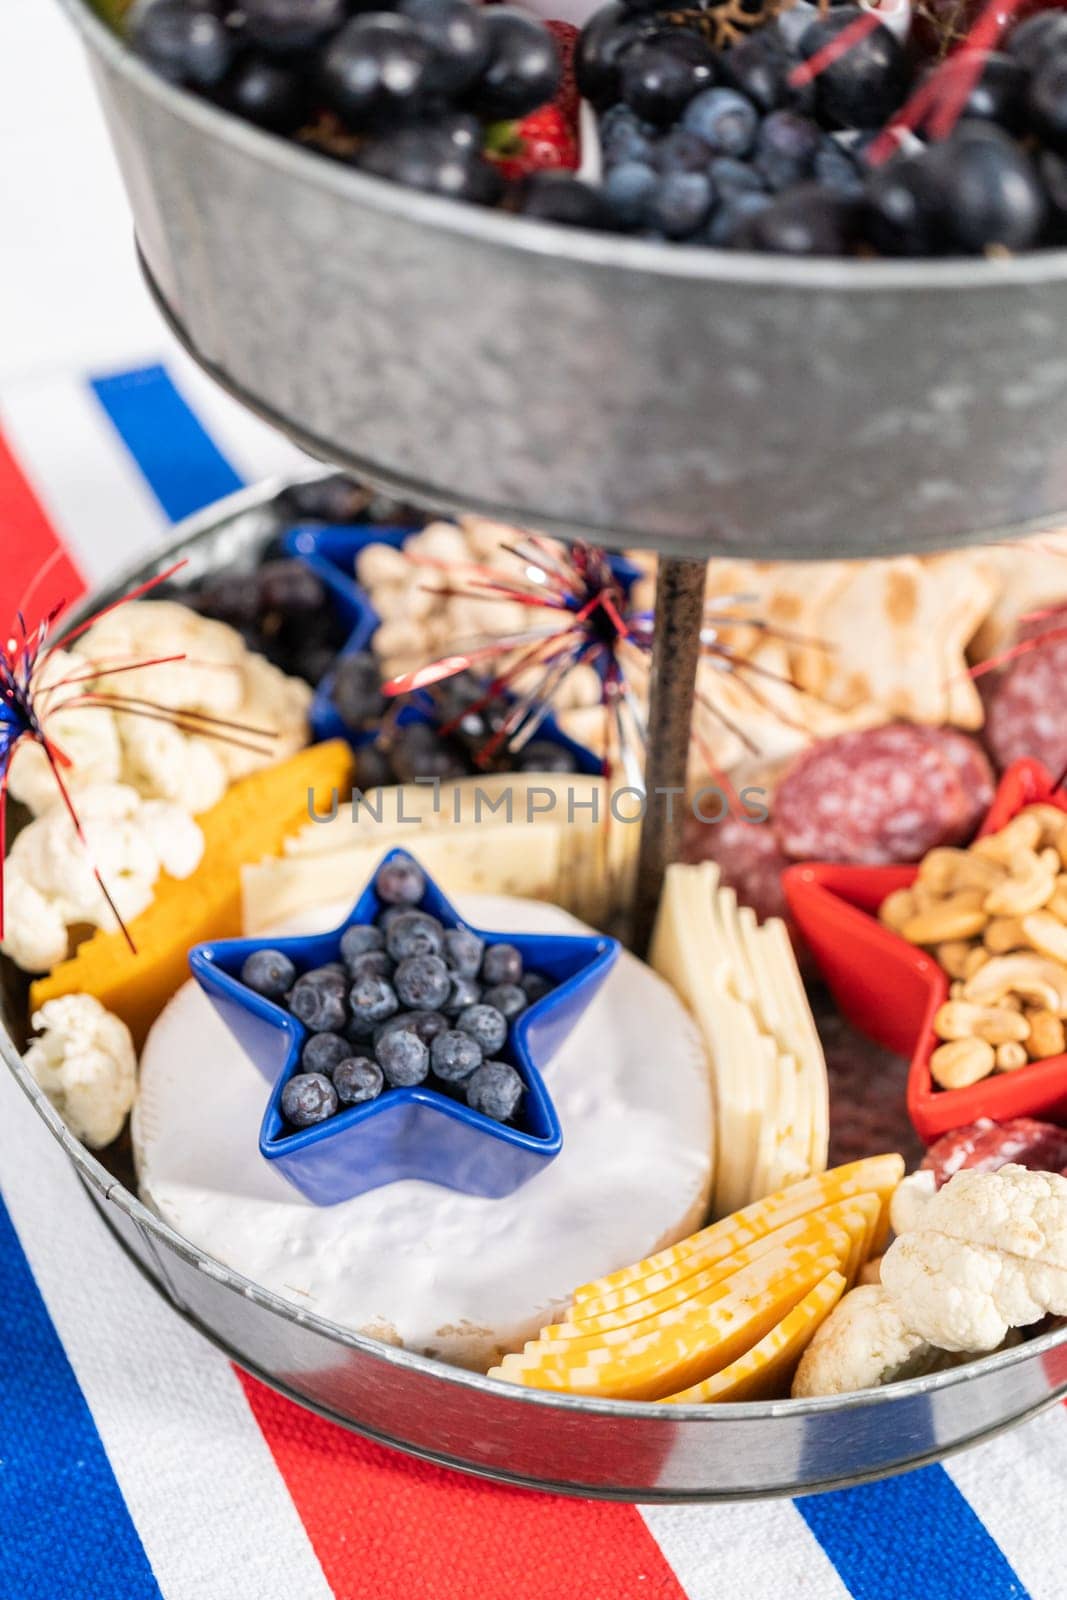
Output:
[[28, 693], [580, 617]]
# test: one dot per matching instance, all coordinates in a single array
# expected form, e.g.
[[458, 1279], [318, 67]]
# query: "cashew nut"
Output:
[[954, 956], [960, 1019], [1058, 904], [1047, 934], [1025, 973], [944, 870], [1046, 1035], [955, 918], [1050, 819], [962, 1062], [897, 909], [1003, 934], [1022, 833], [976, 958], [1030, 884], [1011, 1056]]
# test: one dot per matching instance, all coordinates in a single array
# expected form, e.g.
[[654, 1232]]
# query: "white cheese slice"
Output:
[[442, 1273]]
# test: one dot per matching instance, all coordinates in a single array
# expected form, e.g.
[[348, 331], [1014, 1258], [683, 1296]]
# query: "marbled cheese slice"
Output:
[[445, 1274]]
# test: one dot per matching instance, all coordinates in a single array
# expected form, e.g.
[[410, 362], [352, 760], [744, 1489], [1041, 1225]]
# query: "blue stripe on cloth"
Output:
[[182, 464], [64, 1527], [910, 1536]]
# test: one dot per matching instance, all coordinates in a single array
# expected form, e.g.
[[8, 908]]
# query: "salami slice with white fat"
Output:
[[985, 1146], [882, 795], [1026, 708]]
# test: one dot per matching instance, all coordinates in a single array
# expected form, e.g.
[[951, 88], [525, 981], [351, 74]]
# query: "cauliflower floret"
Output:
[[87, 735], [85, 1063], [863, 1344], [909, 1200], [989, 1254], [50, 885], [218, 676]]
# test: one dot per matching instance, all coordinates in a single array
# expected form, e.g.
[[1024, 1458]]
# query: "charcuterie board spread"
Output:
[[318, 879]]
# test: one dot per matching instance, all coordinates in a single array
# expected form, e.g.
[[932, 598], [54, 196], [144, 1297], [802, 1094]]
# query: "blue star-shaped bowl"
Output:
[[408, 1133], [331, 554]]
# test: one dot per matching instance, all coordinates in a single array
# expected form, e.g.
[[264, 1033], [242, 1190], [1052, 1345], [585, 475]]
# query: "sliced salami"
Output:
[[985, 1146], [749, 859], [1026, 707], [883, 795]]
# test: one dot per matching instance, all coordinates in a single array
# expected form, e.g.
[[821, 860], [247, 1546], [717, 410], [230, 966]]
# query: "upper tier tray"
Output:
[[693, 401]]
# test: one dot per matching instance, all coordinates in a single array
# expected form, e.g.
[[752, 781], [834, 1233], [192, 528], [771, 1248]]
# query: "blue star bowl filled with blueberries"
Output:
[[405, 1044]]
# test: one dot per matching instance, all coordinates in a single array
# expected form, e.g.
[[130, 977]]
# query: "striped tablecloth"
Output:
[[135, 1461]]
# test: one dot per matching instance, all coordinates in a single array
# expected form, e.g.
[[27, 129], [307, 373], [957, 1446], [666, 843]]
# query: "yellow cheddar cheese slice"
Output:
[[877, 1175], [765, 1371], [694, 1342], [252, 820], [859, 1217]]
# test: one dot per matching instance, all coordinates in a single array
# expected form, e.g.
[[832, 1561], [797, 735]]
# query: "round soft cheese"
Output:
[[449, 1275]]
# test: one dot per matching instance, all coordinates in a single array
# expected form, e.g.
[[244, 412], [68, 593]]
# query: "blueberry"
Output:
[[544, 755], [423, 982], [403, 1058], [454, 1056], [420, 752], [523, 68], [808, 221], [322, 1052], [426, 1024], [730, 225], [333, 969], [318, 1000], [486, 1025], [680, 204], [725, 120], [627, 189], [867, 82], [989, 190], [731, 177], [465, 992], [371, 1000], [358, 939], [357, 690], [371, 768], [308, 1098], [463, 950], [372, 963], [559, 197], [400, 882], [507, 998], [681, 150], [659, 78], [269, 973], [502, 963], [1046, 103], [535, 986], [182, 41], [624, 137], [786, 147], [358, 1080], [837, 171], [495, 1090], [416, 933]]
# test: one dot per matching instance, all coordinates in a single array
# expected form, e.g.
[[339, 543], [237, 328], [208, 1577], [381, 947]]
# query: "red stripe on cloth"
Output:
[[388, 1527], [27, 541]]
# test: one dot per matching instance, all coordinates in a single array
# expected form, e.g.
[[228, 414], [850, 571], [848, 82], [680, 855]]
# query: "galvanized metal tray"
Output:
[[695, 401], [599, 1448]]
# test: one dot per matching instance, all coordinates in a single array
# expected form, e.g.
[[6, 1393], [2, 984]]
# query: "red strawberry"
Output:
[[546, 139]]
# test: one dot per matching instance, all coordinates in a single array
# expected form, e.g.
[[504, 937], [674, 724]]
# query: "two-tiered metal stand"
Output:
[[683, 400]]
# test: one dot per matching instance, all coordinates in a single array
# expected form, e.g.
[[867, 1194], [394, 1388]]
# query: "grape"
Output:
[[428, 158], [377, 70], [523, 67]]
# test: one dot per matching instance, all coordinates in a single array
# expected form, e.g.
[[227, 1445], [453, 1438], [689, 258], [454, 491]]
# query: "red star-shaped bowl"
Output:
[[891, 990]]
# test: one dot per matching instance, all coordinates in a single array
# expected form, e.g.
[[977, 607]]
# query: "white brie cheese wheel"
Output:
[[446, 1274]]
